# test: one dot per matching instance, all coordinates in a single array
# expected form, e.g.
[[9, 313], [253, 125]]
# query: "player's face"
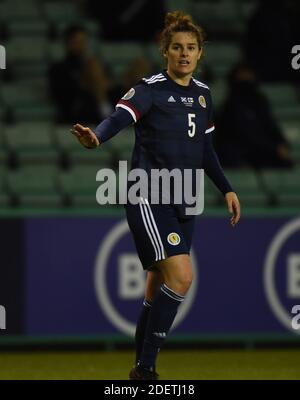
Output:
[[183, 53]]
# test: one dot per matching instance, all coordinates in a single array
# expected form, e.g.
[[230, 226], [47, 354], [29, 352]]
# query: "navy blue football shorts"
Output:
[[158, 231]]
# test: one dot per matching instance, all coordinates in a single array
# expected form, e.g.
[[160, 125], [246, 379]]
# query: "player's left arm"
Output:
[[234, 207], [214, 171]]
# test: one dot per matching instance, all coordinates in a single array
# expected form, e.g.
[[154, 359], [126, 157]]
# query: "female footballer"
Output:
[[172, 115]]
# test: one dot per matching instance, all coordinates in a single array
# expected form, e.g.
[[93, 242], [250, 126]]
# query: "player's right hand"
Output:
[[85, 136]]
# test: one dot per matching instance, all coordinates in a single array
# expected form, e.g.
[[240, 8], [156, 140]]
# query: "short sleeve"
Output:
[[137, 101], [210, 120]]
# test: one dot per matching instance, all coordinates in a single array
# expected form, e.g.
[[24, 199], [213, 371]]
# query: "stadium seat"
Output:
[[31, 143], [218, 17], [4, 197], [284, 185], [248, 187], [35, 187], [99, 157], [118, 56], [43, 112], [211, 193], [60, 11], [27, 49], [27, 93], [80, 185], [123, 140], [221, 56], [13, 10], [76, 155], [295, 153], [3, 158], [24, 27], [280, 94]]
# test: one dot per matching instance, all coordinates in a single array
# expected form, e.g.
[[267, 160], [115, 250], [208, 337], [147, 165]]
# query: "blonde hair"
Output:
[[177, 21]]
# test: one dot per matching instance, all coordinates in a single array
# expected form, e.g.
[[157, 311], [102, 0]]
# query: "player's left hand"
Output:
[[234, 207]]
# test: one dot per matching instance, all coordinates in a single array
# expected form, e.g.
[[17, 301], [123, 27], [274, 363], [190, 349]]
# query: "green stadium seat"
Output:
[[25, 27], [118, 56], [284, 184], [218, 92], [245, 179], [35, 186], [4, 196], [123, 140], [221, 56], [295, 153], [60, 11], [283, 99], [76, 154], [63, 138], [80, 185], [3, 157], [12, 10], [27, 49], [41, 112], [248, 187], [31, 143], [291, 129], [99, 157], [152, 52], [24, 93], [219, 17], [212, 197], [280, 94]]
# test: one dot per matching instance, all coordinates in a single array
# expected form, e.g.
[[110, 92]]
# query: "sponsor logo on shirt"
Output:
[[187, 101]]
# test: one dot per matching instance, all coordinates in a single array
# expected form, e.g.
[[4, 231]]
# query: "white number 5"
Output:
[[192, 125]]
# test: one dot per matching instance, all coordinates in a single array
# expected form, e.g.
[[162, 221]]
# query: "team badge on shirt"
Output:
[[202, 101], [173, 238], [129, 94]]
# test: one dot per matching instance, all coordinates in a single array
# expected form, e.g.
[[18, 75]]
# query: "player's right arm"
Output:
[[129, 110]]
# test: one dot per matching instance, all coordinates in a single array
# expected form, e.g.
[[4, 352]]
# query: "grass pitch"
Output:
[[196, 364]]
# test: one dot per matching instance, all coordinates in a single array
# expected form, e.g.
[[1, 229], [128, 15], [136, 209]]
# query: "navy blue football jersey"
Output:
[[171, 122]]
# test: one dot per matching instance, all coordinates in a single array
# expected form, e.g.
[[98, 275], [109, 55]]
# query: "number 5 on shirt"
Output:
[[192, 125]]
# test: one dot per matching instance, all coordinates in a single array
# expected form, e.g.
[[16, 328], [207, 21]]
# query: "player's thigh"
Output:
[[157, 232]]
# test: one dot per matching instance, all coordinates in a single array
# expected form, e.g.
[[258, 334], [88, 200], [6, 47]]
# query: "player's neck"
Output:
[[180, 80]]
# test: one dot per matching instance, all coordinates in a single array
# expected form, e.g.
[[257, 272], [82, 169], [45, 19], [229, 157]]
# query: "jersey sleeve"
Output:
[[210, 122], [137, 101]]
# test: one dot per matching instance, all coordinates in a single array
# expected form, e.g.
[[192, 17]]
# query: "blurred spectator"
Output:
[[78, 83], [247, 133], [272, 32], [137, 20], [138, 69]]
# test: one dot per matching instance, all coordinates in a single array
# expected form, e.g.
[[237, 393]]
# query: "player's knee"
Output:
[[180, 284]]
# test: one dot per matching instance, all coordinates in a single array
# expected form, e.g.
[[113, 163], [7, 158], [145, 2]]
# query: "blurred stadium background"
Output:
[[68, 272]]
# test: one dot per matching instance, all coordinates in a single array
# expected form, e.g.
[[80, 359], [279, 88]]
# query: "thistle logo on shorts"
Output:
[[173, 238], [129, 94], [202, 101]]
